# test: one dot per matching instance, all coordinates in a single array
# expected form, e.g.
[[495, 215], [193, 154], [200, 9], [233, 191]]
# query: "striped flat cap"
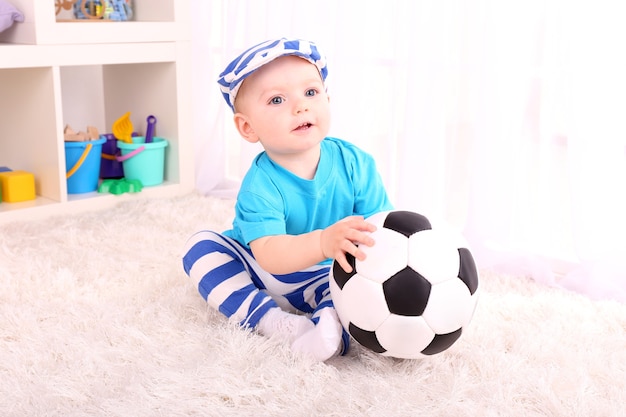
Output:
[[255, 57]]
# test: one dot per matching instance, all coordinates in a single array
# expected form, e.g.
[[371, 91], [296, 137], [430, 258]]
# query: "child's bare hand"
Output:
[[343, 237]]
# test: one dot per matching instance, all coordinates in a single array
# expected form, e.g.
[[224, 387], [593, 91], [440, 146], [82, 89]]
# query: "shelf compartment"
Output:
[[97, 95], [153, 21], [28, 123]]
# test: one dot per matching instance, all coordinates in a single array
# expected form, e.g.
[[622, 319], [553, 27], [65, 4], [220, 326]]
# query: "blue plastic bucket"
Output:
[[144, 161], [82, 165]]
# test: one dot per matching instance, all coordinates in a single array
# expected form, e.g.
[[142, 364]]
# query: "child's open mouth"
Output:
[[304, 126]]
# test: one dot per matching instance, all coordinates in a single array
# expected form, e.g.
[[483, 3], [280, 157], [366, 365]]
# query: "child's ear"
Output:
[[244, 128]]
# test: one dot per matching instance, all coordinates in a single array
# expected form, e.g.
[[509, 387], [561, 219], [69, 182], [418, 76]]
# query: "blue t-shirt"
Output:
[[273, 201]]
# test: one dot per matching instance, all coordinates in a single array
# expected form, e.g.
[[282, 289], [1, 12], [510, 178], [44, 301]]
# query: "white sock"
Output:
[[281, 323], [324, 340]]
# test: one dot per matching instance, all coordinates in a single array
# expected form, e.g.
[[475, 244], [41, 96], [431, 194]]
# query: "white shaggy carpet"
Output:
[[97, 318]]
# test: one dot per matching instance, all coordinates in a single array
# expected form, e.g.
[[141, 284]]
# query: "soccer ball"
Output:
[[413, 295]]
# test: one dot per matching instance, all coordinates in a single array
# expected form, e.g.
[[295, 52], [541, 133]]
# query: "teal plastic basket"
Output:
[[144, 161]]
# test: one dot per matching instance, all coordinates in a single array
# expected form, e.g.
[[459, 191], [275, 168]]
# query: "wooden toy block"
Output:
[[17, 186]]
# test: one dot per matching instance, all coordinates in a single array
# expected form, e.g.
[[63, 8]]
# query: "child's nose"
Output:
[[301, 106]]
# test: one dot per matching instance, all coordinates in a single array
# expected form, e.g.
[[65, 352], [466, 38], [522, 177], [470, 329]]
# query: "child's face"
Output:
[[284, 106]]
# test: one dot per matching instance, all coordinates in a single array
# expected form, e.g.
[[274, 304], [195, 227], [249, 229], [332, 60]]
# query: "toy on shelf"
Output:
[[16, 186], [8, 15], [63, 5], [142, 157], [151, 120], [82, 159], [110, 166], [144, 161], [107, 10], [69, 135], [120, 186], [123, 128]]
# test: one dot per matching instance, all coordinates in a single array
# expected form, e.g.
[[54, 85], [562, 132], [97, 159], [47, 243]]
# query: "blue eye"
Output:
[[311, 92], [276, 100]]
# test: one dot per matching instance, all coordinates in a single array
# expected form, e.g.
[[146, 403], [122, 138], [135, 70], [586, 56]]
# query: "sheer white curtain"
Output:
[[503, 119]]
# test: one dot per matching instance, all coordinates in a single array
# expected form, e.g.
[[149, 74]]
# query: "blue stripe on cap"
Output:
[[255, 57]]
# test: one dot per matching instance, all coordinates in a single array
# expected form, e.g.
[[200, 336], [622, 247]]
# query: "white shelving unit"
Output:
[[81, 73]]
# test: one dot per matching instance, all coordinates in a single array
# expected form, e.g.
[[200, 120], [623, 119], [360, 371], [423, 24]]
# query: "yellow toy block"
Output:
[[17, 186]]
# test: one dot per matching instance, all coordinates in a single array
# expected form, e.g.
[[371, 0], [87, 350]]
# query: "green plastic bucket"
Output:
[[143, 161], [82, 165]]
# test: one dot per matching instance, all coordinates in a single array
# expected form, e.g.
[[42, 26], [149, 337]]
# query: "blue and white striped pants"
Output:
[[231, 281]]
